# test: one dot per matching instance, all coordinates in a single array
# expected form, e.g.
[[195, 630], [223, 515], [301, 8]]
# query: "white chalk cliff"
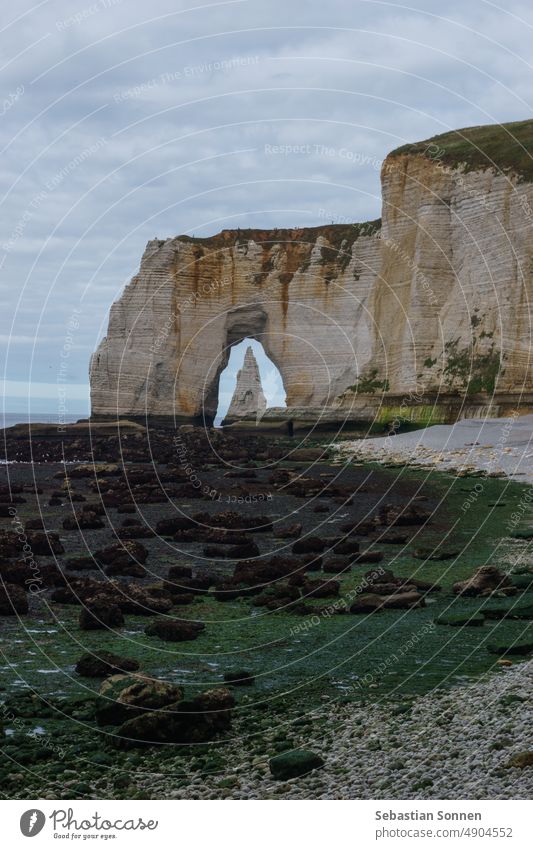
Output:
[[427, 308]]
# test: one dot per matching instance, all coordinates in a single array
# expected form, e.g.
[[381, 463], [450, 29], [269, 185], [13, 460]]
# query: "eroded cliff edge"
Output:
[[426, 310]]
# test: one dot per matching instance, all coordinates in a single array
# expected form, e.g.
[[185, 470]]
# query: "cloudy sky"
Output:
[[122, 121]]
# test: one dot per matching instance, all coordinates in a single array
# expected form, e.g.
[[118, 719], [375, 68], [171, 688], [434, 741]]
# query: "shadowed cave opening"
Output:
[[271, 380]]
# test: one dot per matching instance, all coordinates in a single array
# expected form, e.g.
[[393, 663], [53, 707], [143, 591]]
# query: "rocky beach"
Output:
[[247, 616]]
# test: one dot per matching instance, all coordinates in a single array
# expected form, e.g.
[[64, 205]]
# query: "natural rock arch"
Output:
[[426, 310]]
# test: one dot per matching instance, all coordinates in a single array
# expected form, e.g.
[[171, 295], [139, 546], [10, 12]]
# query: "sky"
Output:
[[123, 121]]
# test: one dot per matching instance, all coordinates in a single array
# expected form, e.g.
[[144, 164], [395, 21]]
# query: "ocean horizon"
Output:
[[10, 419]]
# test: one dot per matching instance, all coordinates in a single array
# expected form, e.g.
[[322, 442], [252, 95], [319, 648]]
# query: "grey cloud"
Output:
[[113, 158]]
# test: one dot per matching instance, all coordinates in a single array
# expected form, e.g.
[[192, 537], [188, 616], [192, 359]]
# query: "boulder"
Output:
[[126, 696], [25, 572], [243, 551], [368, 557], [520, 760], [179, 571], [137, 600], [133, 570], [518, 645], [45, 543], [288, 531], [80, 563], [485, 581], [135, 531], [174, 630], [122, 554], [36, 524], [393, 515], [436, 553], [346, 546], [458, 620], [337, 565], [97, 615], [104, 664], [294, 764], [372, 601], [239, 678], [85, 520], [167, 527], [88, 470], [13, 600], [308, 545], [10, 544], [320, 589], [193, 721]]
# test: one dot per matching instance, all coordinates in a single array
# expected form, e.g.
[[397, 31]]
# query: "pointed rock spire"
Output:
[[248, 399]]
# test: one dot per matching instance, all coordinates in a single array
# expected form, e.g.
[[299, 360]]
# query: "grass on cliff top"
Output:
[[503, 147], [336, 234]]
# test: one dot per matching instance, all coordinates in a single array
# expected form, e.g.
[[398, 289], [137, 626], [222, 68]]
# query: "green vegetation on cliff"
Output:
[[337, 235], [506, 148]]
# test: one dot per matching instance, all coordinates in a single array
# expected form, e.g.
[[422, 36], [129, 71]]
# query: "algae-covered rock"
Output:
[[294, 764], [458, 619]]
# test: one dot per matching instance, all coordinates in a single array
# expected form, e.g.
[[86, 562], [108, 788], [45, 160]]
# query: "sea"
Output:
[[10, 419]]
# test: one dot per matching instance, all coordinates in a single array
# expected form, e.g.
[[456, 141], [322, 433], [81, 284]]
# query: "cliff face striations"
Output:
[[426, 310]]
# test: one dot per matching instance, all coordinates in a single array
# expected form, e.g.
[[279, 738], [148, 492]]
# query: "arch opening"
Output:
[[249, 384]]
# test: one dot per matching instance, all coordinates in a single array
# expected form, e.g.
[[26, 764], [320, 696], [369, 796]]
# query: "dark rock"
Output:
[[97, 509], [135, 531], [408, 514], [337, 565], [239, 678], [308, 545], [84, 520], [133, 570], [10, 545], [143, 601], [30, 575], [198, 584], [97, 615], [389, 536], [288, 531], [255, 572], [485, 581], [179, 571], [193, 721], [36, 524], [167, 527], [372, 601], [520, 760], [294, 764], [104, 664], [174, 630], [80, 563], [347, 546], [126, 696], [368, 557], [89, 470], [321, 589], [519, 646], [428, 553], [460, 619], [236, 552], [124, 553], [229, 591], [13, 600], [243, 552], [45, 543]]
